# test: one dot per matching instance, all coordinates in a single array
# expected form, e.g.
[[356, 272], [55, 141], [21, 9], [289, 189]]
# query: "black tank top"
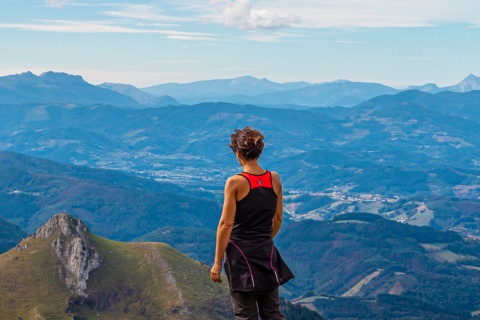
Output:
[[254, 213]]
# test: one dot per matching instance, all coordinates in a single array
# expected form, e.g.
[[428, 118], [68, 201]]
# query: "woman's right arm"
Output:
[[225, 226]]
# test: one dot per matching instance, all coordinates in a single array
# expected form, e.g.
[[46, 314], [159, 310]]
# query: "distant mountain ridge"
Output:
[[140, 96], [262, 92], [198, 90], [51, 87], [470, 83]]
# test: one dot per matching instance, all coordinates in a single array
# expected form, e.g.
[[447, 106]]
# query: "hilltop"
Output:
[[64, 271]]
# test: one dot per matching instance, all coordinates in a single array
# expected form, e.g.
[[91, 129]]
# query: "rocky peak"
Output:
[[62, 78], [468, 84], [72, 246]]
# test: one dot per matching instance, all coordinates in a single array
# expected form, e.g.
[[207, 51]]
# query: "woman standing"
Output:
[[251, 217]]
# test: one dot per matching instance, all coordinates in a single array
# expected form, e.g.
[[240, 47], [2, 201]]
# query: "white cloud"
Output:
[[143, 12], [189, 38], [66, 26], [380, 13], [56, 3], [267, 14], [271, 36], [241, 14]]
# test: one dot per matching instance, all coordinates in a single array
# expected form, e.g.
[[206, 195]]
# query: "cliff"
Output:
[[75, 253]]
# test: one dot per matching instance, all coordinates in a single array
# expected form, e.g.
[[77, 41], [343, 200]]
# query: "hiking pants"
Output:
[[248, 306]]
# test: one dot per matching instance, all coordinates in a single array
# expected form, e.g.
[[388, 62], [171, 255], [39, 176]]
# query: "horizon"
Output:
[[226, 79], [145, 43]]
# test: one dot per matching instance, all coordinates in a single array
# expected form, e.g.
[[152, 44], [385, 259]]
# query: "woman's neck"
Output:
[[252, 166]]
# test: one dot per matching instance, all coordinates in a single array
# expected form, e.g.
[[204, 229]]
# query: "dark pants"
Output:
[[248, 306]]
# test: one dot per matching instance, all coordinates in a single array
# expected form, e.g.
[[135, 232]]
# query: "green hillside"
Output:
[[363, 256], [198, 244], [114, 204], [132, 280]]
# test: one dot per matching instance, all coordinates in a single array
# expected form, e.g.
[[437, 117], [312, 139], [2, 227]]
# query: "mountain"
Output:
[[468, 84], [53, 87], [262, 92], [429, 88], [338, 93], [212, 90], [10, 234], [140, 96], [113, 204], [367, 267], [64, 271]]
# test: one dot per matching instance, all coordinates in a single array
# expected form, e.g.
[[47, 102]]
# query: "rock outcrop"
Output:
[[71, 245]]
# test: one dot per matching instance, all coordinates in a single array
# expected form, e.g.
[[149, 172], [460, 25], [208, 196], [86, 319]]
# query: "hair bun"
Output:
[[248, 141]]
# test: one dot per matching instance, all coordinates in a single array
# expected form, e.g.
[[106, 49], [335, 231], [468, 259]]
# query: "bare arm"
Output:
[[224, 227], [277, 219]]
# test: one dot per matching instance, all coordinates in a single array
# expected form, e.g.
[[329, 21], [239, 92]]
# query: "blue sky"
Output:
[[404, 42]]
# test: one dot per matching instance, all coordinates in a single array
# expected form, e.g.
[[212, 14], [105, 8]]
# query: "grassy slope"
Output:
[[135, 281], [29, 283]]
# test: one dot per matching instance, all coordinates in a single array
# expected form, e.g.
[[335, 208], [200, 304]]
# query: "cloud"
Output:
[[143, 12], [321, 14], [380, 13], [66, 26], [189, 38], [242, 15], [271, 36], [56, 3]]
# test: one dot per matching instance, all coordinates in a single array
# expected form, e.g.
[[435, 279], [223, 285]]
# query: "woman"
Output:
[[251, 217]]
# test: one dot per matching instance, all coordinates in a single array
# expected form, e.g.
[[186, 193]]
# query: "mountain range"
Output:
[[262, 92], [412, 146], [51, 87]]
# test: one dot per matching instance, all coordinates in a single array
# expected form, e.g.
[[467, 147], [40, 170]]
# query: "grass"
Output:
[[29, 283], [134, 281], [356, 288]]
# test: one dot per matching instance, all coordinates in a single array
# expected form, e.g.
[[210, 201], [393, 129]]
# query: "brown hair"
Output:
[[248, 141]]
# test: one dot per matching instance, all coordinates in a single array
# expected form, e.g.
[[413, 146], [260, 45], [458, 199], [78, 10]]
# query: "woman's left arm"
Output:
[[224, 227], [277, 219]]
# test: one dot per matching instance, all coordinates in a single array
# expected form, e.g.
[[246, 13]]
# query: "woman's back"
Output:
[[255, 211]]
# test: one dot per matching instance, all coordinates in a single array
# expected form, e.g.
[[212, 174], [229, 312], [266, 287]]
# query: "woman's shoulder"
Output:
[[275, 175], [235, 180]]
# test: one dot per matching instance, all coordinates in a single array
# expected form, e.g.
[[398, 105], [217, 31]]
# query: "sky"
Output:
[[144, 43]]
